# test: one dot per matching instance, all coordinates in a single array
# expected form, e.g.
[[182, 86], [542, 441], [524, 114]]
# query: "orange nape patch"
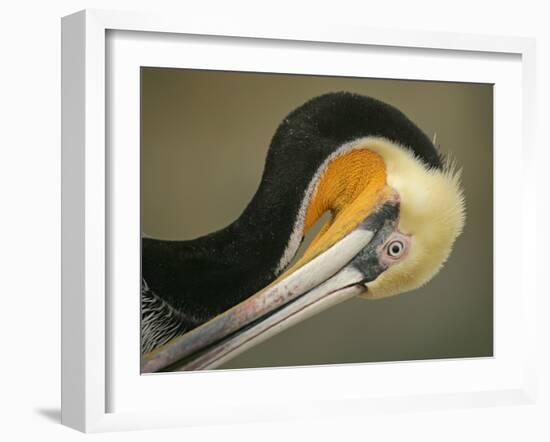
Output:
[[352, 185]]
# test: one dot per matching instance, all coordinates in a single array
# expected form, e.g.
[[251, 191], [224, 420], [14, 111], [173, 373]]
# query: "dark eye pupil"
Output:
[[395, 249]]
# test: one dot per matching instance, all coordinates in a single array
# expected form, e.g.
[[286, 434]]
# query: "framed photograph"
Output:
[[232, 194]]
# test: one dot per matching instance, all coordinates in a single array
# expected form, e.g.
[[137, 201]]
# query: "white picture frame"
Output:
[[88, 363]]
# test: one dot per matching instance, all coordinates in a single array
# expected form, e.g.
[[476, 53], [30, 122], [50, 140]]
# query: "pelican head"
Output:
[[431, 217], [396, 210]]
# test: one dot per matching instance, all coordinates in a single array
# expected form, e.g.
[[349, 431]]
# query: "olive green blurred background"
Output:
[[204, 138]]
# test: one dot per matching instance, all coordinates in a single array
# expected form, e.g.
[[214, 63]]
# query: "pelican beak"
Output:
[[331, 271]]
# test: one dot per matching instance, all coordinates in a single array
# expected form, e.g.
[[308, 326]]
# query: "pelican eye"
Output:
[[395, 249]]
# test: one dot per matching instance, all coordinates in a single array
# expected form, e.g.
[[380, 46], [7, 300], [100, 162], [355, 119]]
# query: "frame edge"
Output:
[[73, 80], [83, 369]]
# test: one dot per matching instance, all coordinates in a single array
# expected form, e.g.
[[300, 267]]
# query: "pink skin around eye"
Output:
[[393, 243]]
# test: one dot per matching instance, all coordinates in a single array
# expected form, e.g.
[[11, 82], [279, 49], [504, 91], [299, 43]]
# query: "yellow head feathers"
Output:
[[432, 213]]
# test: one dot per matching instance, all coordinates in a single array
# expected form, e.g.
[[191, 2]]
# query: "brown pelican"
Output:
[[396, 209]]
